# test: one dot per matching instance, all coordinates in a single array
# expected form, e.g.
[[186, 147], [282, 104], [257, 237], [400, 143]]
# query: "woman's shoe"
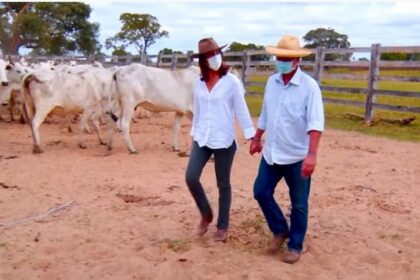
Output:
[[221, 235], [203, 227]]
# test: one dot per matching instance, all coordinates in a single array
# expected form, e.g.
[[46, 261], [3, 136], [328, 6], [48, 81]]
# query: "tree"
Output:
[[239, 47], [48, 28], [139, 30], [329, 39]]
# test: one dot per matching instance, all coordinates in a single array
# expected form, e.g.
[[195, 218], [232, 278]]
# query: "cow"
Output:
[[15, 73], [45, 89], [3, 76], [156, 90]]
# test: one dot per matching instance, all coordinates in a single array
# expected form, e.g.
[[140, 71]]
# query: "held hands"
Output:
[[255, 146], [308, 165]]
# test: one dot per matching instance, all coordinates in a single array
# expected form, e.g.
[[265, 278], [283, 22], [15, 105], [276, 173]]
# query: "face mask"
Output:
[[215, 62], [284, 67]]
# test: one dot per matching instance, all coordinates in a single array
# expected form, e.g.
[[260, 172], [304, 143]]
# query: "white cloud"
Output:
[[385, 22]]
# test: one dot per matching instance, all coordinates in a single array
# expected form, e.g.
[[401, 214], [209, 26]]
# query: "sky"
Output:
[[390, 23]]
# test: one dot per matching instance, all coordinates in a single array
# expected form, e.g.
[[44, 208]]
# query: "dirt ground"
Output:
[[89, 214]]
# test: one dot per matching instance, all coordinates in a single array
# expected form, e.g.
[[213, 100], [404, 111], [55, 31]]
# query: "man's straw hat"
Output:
[[288, 46]]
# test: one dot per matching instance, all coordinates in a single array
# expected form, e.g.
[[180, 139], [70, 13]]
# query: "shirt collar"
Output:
[[295, 79]]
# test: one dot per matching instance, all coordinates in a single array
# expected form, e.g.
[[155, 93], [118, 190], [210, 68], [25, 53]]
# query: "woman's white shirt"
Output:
[[215, 112]]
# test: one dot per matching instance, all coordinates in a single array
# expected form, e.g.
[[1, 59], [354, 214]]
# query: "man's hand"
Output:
[[255, 146], [308, 165]]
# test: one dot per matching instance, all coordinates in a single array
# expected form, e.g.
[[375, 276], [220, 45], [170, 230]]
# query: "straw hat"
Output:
[[207, 45], [288, 46]]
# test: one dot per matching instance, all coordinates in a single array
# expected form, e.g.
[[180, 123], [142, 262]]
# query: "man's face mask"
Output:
[[284, 67], [215, 61]]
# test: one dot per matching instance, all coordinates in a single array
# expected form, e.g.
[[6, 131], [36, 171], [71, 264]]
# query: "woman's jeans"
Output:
[[264, 187], [223, 159]]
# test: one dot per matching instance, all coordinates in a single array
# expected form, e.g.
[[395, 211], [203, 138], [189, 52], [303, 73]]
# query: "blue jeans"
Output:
[[264, 188], [223, 159]]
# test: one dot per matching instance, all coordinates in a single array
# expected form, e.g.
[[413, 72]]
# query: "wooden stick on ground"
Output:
[[403, 121], [39, 217]]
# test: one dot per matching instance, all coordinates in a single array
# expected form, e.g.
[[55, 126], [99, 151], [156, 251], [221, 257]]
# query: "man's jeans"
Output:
[[264, 187]]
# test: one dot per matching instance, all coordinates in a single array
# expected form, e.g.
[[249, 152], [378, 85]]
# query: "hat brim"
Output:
[[196, 55], [287, 53]]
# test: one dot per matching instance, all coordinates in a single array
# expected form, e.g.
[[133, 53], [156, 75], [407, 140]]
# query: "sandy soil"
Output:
[[132, 216]]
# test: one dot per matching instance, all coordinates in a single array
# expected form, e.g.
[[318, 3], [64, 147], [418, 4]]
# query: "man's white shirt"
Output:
[[289, 112]]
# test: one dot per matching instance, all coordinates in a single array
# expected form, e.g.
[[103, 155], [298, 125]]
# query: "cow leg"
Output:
[[109, 126], [35, 124], [177, 126], [12, 106], [83, 123], [125, 126], [96, 127]]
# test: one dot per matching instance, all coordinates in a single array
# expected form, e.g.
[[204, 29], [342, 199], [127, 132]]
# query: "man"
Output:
[[293, 118]]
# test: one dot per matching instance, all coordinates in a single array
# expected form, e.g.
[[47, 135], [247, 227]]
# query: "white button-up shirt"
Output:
[[289, 112], [215, 111]]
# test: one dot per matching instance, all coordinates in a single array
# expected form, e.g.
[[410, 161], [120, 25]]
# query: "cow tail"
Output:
[[114, 103], [28, 105]]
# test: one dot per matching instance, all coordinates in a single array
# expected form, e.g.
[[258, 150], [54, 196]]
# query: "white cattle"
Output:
[[157, 90], [15, 73], [3, 76], [44, 90]]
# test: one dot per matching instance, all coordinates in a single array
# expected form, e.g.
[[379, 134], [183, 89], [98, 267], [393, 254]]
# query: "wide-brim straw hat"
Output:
[[288, 46], [207, 45]]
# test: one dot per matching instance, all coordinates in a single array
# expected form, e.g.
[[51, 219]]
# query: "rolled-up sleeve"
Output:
[[241, 111], [315, 110]]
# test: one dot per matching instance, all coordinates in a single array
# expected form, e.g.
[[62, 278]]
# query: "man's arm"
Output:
[[309, 163]]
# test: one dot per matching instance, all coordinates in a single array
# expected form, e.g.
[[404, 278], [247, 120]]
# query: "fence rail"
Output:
[[248, 64]]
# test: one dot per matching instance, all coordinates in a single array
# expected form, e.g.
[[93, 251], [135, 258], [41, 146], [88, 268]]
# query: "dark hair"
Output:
[[204, 67]]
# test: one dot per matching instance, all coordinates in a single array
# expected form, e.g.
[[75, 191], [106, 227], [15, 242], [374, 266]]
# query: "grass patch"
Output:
[[179, 245]]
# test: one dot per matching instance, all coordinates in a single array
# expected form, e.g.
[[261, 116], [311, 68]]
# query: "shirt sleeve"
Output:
[[315, 110], [241, 110]]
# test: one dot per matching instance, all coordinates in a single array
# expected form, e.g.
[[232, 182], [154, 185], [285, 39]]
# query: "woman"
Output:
[[218, 99]]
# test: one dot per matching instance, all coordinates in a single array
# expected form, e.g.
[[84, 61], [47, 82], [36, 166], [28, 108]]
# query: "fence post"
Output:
[[129, 59], [114, 60], [246, 59], [189, 58], [375, 57], [174, 60], [318, 67], [158, 59]]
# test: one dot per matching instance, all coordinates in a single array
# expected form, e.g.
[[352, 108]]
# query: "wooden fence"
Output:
[[244, 61]]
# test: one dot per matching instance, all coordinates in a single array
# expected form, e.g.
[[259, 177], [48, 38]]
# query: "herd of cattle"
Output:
[[97, 93]]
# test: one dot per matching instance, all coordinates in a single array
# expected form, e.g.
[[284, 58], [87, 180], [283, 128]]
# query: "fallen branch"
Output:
[[403, 121], [39, 217]]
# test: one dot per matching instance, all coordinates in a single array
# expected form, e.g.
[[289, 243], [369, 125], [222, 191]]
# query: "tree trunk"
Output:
[[15, 41]]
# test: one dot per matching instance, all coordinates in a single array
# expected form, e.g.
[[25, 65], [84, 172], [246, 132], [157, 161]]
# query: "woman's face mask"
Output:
[[215, 62], [284, 67]]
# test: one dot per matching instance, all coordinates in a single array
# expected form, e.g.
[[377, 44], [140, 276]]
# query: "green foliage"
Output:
[[329, 39], [138, 30], [239, 47], [48, 28], [400, 56]]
